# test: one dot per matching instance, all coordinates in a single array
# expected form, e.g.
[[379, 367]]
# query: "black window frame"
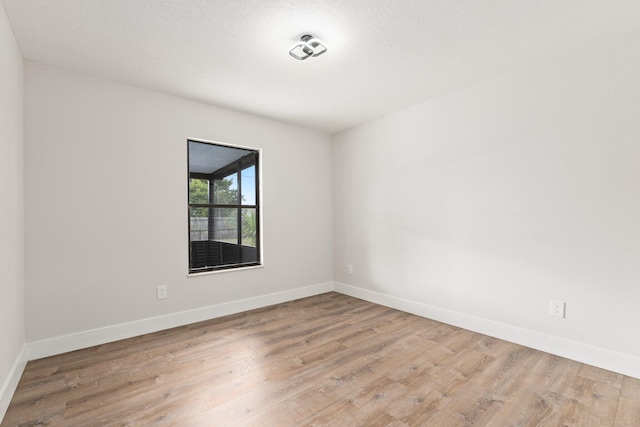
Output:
[[236, 167]]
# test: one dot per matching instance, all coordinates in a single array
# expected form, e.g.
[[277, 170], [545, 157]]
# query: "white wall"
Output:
[[106, 195], [12, 333], [490, 201]]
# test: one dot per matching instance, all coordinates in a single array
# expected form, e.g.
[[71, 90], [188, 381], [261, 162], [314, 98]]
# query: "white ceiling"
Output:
[[383, 55]]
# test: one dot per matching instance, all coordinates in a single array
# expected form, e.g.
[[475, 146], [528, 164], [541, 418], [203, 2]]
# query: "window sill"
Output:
[[224, 270]]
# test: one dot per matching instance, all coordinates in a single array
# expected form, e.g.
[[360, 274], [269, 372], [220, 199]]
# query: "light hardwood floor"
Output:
[[328, 360]]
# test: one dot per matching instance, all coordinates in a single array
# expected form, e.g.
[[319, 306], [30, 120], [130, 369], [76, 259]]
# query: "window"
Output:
[[224, 209]]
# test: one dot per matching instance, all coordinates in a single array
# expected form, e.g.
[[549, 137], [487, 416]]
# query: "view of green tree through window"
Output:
[[224, 214]]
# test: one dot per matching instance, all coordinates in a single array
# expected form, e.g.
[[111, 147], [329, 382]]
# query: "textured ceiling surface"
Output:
[[383, 55]]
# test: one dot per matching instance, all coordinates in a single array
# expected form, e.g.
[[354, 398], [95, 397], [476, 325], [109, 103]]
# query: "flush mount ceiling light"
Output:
[[307, 46]]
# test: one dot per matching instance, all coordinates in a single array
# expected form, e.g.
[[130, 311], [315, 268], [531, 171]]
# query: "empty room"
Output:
[[319, 213]]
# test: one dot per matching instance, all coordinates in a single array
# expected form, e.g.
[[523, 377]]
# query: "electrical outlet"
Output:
[[557, 308], [162, 291], [349, 269]]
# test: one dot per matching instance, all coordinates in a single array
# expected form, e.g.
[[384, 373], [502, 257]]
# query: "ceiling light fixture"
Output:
[[307, 46]]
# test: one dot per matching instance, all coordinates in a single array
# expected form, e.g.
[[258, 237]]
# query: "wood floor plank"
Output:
[[628, 413], [539, 398], [328, 360]]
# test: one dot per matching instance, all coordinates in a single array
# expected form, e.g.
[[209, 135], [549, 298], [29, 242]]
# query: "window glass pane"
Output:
[[225, 225], [225, 191], [249, 186], [249, 228], [199, 224], [198, 191]]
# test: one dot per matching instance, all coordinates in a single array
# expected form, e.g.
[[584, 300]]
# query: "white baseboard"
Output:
[[11, 383], [617, 362], [595, 356], [79, 340]]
